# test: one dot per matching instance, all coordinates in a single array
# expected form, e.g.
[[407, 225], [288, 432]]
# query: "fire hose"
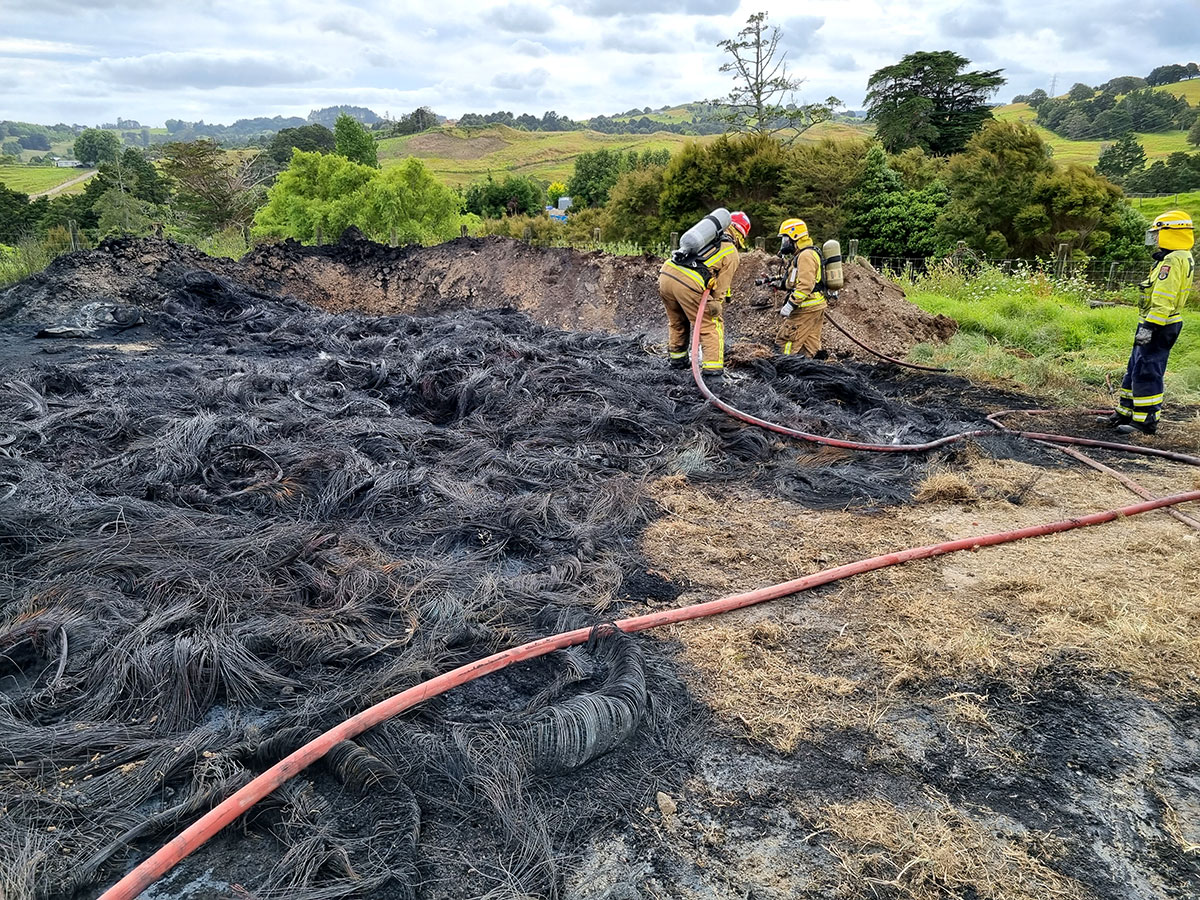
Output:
[[736, 413], [204, 828]]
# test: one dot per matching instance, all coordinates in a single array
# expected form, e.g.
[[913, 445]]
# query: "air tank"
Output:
[[704, 232], [831, 252]]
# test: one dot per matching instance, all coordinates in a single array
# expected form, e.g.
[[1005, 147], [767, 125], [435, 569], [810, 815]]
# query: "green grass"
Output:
[[34, 179], [1157, 146], [1045, 336], [459, 156], [1155, 206], [1189, 90]]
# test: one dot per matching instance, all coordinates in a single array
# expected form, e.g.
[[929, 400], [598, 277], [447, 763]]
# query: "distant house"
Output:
[[68, 164]]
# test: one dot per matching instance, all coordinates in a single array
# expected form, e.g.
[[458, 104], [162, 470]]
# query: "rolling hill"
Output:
[[459, 156]]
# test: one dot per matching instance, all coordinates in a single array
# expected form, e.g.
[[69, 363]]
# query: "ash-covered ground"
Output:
[[231, 518]]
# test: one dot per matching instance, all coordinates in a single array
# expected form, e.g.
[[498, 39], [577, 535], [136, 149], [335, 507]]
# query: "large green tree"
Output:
[[1119, 159], [762, 98], [890, 219], [333, 193], [595, 173], [510, 196], [926, 100], [1009, 199], [96, 145], [354, 142], [309, 138], [214, 188]]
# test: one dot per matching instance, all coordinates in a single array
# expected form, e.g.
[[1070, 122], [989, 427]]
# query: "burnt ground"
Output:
[[246, 518]]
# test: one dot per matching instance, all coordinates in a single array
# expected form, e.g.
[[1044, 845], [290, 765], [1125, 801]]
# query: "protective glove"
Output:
[[787, 309], [1144, 335]]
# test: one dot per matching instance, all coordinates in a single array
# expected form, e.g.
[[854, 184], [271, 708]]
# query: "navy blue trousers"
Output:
[[1142, 387]]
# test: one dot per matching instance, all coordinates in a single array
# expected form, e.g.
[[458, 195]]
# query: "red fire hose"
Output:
[[903, 448], [899, 362], [195, 835]]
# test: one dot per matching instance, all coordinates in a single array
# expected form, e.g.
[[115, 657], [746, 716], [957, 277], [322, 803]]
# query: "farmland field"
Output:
[[34, 179], [1157, 146]]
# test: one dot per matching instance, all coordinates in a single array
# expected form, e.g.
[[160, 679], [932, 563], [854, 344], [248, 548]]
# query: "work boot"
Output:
[[1112, 419], [1150, 426], [681, 363]]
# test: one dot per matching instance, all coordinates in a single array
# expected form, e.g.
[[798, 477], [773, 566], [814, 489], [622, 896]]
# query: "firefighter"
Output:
[[681, 287], [804, 308], [1160, 319]]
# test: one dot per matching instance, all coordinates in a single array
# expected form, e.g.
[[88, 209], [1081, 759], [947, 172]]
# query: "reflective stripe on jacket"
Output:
[[804, 274]]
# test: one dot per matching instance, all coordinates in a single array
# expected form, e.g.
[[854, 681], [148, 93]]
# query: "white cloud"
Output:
[[520, 18], [14, 46], [521, 81], [165, 71], [526, 47]]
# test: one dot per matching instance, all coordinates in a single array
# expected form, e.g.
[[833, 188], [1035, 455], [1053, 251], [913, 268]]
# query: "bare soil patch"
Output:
[[449, 146]]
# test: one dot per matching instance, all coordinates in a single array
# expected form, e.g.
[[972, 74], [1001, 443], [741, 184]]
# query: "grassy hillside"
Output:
[[34, 179], [1190, 90], [1157, 146], [459, 156], [1154, 206]]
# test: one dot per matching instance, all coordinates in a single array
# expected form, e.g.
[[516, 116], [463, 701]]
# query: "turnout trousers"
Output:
[[801, 331], [682, 304], [1142, 386]]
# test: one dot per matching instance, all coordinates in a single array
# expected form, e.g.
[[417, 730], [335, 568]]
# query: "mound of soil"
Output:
[[563, 288]]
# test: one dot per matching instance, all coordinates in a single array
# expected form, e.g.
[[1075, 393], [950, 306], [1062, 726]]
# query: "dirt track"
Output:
[[246, 518]]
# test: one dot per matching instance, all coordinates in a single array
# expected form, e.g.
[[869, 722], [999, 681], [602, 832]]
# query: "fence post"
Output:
[[317, 236], [245, 235], [462, 231], [394, 241], [596, 235], [852, 253], [527, 234], [760, 243], [1061, 268], [74, 229], [1112, 277], [674, 241]]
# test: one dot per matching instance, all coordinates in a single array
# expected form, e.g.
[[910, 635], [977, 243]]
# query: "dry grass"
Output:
[[930, 853], [1118, 598]]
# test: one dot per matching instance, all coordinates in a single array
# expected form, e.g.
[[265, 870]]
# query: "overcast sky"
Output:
[[87, 61]]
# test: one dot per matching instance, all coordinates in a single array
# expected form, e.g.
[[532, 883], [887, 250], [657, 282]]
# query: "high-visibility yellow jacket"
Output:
[[722, 262], [803, 275], [1168, 287]]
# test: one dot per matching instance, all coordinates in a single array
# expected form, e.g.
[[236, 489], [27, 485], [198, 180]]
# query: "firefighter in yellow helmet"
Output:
[[1160, 320], [804, 309], [681, 287]]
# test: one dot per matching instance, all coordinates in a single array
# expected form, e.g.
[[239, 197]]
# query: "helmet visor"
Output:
[[1152, 237]]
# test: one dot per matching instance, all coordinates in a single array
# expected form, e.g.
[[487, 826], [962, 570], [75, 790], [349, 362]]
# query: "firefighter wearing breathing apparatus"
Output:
[[1160, 319], [804, 309], [709, 265]]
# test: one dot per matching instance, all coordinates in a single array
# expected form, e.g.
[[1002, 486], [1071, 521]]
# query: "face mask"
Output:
[[787, 246], [1151, 238]]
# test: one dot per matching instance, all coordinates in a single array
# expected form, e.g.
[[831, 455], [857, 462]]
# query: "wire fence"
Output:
[[1103, 275]]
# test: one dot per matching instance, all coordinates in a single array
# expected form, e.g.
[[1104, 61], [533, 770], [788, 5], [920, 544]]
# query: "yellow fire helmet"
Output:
[[794, 229], [1171, 231]]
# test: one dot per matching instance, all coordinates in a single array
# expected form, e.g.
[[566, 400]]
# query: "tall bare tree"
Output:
[[761, 100]]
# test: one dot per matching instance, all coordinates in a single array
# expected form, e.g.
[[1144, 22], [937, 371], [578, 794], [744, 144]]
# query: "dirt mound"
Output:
[[562, 288]]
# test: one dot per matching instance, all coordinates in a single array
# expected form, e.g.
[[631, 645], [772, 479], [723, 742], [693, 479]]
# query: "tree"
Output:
[[1080, 91], [1193, 136], [554, 191], [11, 148], [354, 142], [214, 188], [35, 140], [1008, 198], [1037, 98], [515, 195], [95, 145], [888, 219], [595, 173], [761, 98], [1119, 159], [926, 100], [309, 138], [633, 212], [1123, 84], [333, 193]]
